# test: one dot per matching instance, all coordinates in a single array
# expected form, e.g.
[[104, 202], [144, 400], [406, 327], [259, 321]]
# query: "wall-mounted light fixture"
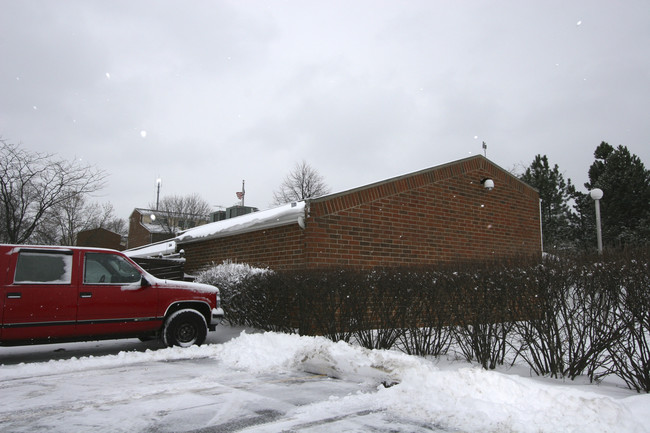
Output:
[[487, 183]]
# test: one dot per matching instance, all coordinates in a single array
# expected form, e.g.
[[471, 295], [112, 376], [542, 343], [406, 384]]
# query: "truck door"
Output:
[[112, 299], [40, 300]]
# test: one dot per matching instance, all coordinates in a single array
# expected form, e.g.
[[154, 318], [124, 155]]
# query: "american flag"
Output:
[[240, 195]]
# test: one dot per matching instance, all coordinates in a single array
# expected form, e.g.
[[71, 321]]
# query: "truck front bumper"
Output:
[[217, 317]]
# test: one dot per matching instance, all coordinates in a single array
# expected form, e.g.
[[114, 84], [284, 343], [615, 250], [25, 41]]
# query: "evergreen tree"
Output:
[[584, 221], [555, 193], [625, 206]]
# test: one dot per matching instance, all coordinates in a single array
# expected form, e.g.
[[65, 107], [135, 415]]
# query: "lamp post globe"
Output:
[[596, 193]]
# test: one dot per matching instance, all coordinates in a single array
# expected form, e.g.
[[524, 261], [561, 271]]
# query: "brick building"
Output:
[[101, 238], [148, 226], [441, 214]]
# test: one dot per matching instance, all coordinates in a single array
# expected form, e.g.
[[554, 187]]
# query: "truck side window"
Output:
[[43, 267], [102, 268]]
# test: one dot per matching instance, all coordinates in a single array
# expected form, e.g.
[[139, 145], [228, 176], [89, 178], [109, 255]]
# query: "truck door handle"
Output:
[[86, 295], [14, 295]]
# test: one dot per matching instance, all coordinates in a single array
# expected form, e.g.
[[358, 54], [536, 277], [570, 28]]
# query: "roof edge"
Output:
[[416, 173], [291, 213]]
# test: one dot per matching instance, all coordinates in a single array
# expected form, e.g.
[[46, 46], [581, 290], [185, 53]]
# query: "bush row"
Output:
[[563, 316]]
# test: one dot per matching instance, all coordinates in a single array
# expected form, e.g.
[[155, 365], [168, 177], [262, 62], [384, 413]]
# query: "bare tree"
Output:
[[115, 224], [302, 183], [181, 212], [64, 222], [33, 184]]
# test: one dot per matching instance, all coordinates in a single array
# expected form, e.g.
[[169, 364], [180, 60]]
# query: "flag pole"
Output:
[[243, 193]]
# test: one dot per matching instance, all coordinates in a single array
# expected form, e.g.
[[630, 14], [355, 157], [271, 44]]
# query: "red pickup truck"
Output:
[[53, 294]]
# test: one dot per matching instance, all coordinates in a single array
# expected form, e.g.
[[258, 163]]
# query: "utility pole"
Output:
[[158, 184]]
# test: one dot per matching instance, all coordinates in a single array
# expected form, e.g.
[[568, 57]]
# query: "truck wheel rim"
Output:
[[186, 333]]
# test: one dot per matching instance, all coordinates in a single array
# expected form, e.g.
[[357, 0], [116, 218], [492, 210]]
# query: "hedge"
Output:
[[564, 316]]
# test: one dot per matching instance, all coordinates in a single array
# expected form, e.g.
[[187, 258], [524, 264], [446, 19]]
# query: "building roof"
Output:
[[294, 213], [441, 171]]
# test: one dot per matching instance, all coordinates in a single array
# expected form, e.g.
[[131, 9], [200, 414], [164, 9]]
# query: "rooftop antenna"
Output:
[[158, 185], [484, 149]]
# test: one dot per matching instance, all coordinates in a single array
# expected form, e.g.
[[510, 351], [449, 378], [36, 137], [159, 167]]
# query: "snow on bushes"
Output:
[[229, 278]]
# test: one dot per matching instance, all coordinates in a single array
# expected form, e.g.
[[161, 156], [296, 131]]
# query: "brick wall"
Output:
[[139, 235], [278, 248], [437, 215], [440, 215], [101, 238]]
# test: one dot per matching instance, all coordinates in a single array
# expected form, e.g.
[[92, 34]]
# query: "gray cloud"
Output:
[[362, 90]]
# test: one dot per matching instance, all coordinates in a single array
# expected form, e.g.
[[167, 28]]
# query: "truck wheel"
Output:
[[185, 328]]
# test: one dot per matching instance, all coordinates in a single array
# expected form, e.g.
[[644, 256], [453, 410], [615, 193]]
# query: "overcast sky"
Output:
[[204, 94]]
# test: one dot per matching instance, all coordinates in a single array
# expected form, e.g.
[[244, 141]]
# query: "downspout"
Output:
[[541, 229], [302, 222]]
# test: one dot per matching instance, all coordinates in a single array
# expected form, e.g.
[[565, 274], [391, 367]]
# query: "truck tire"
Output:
[[185, 328]]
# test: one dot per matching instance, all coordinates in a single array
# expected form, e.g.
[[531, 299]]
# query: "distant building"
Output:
[[101, 238], [147, 226]]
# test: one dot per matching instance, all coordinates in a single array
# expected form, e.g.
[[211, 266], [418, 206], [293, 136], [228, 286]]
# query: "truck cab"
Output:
[[53, 294]]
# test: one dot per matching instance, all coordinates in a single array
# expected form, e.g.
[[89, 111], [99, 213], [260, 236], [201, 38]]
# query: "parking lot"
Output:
[[69, 387]]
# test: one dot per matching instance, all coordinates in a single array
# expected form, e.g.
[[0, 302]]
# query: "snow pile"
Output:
[[124, 359], [467, 398], [479, 400], [274, 352]]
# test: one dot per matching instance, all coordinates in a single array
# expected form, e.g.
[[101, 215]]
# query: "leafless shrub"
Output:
[[572, 322], [629, 355], [564, 316], [427, 317], [485, 306], [330, 301]]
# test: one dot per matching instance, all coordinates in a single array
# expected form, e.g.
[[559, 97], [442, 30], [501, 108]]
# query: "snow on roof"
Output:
[[292, 213], [154, 228], [153, 250]]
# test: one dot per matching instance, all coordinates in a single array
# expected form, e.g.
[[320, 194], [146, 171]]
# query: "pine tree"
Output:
[[625, 206], [554, 193]]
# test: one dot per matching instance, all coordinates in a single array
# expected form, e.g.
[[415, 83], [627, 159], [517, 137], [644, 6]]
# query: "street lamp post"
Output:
[[596, 194]]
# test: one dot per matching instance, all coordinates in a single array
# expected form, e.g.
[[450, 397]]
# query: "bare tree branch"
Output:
[[181, 212], [302, 183], [33, 184]]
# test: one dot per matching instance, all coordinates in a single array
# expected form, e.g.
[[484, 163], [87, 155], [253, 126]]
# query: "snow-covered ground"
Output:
[[270, 382]]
